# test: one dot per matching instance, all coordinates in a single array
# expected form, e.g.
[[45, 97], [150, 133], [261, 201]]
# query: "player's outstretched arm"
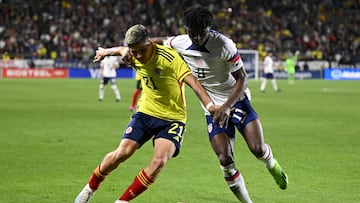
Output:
[[200, 92], [114, 51]]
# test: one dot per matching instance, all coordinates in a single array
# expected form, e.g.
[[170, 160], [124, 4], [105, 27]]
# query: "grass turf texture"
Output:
[[54, 132]]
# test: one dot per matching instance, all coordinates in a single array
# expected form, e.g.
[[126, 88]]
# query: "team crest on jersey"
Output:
[[129, 130], [210, 127], [158, 71]]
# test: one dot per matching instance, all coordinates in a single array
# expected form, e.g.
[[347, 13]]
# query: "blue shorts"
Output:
[[143, 127], [242, 114], [105, 80], [269, 75]]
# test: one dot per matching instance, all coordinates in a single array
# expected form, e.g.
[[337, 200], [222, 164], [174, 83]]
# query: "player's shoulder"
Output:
[[220, 38], [180, 38], [166, 53], [224, 44], [178, 41]]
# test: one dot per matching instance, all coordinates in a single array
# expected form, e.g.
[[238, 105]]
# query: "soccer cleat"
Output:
[[279, 175], [117, 100], [121, 201], [85, 195]]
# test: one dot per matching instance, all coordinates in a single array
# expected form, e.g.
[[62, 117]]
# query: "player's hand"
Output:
[[99, 54], [222, 115], [213, 108]]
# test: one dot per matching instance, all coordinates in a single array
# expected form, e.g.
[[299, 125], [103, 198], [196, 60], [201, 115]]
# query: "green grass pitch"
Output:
[[53, 133]]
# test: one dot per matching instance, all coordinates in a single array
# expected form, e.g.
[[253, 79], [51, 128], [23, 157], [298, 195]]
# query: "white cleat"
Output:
[[121, 201], [85, 195]]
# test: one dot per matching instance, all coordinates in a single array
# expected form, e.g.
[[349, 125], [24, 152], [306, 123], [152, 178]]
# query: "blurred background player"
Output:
[[108, 68], [290, 64], [136, 93], [163, 118], [269, 73]]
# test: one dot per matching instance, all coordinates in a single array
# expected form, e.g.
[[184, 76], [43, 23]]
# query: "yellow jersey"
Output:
[[163, 92]]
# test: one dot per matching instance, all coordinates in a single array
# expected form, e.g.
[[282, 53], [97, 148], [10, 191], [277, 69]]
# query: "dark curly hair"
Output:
[[198, 17]]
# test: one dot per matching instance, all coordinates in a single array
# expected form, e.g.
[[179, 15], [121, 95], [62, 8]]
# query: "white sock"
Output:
[[263, 84], [101, 92], [268, 158], [274, 84], [236, 183], [116, 92]]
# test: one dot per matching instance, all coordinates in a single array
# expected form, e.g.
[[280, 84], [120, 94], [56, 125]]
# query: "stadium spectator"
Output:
[[319, 29], [269, 73], [306, 66], [5, 56], [215, 61], [108, 68], [31, 64], [163, 117]]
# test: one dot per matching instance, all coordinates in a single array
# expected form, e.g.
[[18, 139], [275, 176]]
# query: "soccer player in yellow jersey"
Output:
[[161, 115]]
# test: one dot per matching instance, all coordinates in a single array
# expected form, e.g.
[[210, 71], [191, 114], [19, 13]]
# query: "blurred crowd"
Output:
[[72, 29]]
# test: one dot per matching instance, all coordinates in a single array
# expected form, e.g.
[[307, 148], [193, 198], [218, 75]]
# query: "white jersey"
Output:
[[109, 65], [212, 64], [268, 64]]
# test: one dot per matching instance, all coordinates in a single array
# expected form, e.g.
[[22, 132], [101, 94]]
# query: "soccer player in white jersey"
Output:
[[161, 115], [269, 73], [214, 59], [108, 68]]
